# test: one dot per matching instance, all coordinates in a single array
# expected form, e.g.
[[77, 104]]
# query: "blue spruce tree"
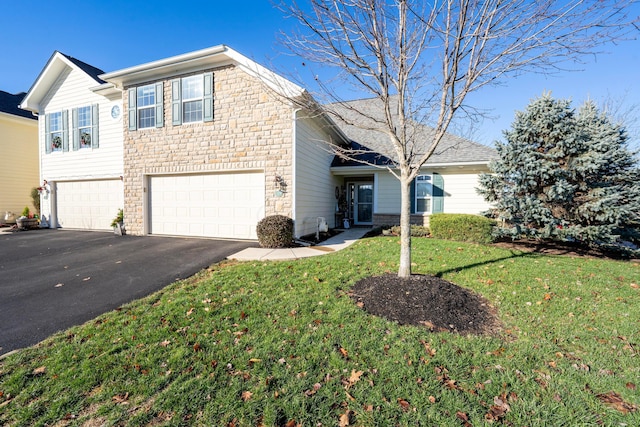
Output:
[[563, 175]]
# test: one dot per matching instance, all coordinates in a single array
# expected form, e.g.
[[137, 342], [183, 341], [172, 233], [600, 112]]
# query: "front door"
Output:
[[361, 202]]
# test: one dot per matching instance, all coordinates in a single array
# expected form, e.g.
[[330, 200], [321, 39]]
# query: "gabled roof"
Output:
[[9, 103], [51, 71], [200, 60], [362, 122]]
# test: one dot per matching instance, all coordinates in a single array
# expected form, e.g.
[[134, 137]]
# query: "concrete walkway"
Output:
[[335, 243]]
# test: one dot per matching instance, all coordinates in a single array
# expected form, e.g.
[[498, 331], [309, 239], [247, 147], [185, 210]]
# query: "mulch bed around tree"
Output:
[[426, 301]]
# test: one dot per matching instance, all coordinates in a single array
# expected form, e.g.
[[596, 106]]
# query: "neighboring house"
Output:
[[207, 144], [18, 155], [447, 182]]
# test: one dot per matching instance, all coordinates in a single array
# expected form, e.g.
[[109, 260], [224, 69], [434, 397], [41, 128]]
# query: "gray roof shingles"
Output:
[[357, 120], [92, 71], [9, 104]]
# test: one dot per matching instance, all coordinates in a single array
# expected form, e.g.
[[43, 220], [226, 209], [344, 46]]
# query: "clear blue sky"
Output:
[[116, 34]]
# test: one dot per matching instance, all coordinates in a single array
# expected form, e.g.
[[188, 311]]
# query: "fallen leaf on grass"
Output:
[[464, 418], [404, 404], [122, 399], [314, 390], [344, 419], [630, 386], [165, 343], [353, 378], [190, 311], [40, 370], [498, 410], [427, 347], [635, 286], [246, 395], [343, 352], [615, 401]]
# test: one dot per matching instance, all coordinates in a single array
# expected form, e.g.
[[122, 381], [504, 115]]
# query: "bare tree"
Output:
[[421, 59]]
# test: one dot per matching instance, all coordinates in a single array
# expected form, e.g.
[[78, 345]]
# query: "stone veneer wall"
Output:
[[252, 130]]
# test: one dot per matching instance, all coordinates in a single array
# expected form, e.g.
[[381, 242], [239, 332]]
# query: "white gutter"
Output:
[[185, 60]]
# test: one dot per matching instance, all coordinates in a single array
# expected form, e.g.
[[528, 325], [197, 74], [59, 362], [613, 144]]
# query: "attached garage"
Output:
[[89, 205], [225, 205]]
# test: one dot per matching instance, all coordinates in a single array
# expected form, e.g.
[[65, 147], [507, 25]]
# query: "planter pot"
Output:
[[27, 223], [119, 229]]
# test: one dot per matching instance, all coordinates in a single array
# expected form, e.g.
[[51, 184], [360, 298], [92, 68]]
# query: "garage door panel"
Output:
[[89, 205], [210, 205]]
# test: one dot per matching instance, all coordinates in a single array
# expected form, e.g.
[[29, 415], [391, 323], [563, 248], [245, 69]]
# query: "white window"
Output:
[[146, 106], [84, 126], [55, 136], [424, 193], [192, 95], [192, 99]]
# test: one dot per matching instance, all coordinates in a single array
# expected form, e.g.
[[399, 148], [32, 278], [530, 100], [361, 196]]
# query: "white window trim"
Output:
[[88, 127], [151, 107], [429, 198], [200, 98], [60, 131]]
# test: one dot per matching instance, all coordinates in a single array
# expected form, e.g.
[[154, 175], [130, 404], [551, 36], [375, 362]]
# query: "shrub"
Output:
[[275, 231], [118, 219], [461, 227], [416, 230], [35, 198]]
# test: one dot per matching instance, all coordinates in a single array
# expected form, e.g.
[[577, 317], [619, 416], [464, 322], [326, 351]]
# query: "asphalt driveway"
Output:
[[53, 279]]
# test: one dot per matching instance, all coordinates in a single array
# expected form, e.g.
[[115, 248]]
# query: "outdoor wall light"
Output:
[[281, 185]]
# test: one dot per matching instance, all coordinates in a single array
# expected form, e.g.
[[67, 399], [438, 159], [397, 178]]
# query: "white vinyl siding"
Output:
[[459, 192], [70, 91], [226, 205], [314, 183]]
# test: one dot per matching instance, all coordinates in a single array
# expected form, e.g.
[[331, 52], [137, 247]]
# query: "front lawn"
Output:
[[283, 344]]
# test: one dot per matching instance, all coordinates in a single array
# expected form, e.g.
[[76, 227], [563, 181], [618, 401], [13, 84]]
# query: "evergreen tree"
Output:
[[564, 175]]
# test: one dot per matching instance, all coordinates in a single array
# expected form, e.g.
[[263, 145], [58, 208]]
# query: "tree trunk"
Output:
[[405, 226]]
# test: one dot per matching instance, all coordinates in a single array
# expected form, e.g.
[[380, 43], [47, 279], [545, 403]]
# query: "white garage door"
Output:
[[227, 205], [89, 205]]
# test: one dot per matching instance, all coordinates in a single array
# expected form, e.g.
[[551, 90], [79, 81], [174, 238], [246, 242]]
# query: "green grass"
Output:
[[268, 343]]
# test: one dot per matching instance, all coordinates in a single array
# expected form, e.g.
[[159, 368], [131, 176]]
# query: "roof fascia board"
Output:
[[425, 166], [19, 119], [51, 71], [184, 63]]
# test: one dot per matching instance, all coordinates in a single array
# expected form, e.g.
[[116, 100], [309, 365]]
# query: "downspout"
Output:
[[294, 154]]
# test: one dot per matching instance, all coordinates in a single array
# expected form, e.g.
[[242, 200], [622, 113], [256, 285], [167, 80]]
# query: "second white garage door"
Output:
[[227, 205]]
